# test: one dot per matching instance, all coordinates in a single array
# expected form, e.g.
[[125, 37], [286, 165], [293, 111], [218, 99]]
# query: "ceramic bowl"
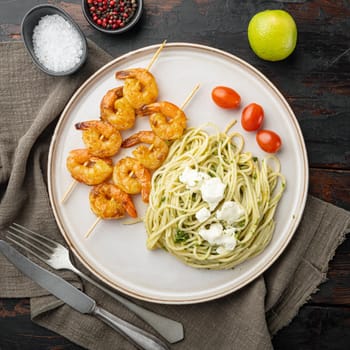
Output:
[[29, 22], [130, 24]]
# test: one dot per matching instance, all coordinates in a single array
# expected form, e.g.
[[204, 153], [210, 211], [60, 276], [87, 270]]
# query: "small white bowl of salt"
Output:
[[55, 42]]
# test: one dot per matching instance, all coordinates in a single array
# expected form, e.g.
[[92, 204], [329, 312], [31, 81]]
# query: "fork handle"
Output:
[[171, 330], [141, 338]]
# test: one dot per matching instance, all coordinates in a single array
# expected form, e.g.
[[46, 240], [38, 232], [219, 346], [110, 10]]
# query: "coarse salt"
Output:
[[57, 44]]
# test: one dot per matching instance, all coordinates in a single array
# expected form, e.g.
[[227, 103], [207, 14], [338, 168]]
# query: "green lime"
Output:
[[272, 34]]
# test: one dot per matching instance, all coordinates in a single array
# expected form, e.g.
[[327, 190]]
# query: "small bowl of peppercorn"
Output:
[[112, 16]]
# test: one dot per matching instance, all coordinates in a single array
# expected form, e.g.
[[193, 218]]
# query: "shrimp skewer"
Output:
[[73, 183], [101, 138], [132, 177], [115, 107], [88, 169], [167, 120], [108, 201], [140, 86], [117, 110], [150, 157]]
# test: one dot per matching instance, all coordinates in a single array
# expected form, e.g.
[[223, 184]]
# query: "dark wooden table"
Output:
[[316, 82]]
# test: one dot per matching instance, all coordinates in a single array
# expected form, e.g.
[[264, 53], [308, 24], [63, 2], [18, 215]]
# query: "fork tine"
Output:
[[24, 240], [27, 249], [28, 239], [31, 234]]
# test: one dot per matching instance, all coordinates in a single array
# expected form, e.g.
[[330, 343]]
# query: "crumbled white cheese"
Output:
[[211, 188], [230, 212], [202, 214], [229, 246], [230, 230], [192, 178], [221, 250], [217, 235], [212, 191], [212, 234]]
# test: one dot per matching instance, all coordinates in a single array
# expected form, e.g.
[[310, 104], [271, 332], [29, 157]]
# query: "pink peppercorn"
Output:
[[112, 14]]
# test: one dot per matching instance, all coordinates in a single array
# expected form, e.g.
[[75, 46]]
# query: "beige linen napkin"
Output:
[[30, 104]]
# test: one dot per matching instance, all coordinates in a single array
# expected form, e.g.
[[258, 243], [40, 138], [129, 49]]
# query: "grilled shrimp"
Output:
[[150, 157], [140, 87], [108, 201], [132, 177], [167, 120], [101, 138], [89, 169], [116, 109]]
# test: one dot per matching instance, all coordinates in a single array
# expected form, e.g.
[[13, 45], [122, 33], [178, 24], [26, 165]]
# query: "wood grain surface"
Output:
[[315, 80]]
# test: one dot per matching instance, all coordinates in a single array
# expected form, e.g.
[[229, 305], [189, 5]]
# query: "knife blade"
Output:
[[79, 300]]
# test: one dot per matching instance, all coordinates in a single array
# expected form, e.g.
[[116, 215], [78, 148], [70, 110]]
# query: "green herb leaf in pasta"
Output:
[[181, 236]]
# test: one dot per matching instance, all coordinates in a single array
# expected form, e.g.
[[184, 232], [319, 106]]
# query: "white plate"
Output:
[[117, 253]]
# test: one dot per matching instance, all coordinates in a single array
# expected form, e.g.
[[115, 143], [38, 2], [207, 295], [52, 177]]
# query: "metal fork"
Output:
[[57, 256]]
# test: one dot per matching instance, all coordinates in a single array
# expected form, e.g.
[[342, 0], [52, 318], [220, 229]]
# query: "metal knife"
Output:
[[79, 300]]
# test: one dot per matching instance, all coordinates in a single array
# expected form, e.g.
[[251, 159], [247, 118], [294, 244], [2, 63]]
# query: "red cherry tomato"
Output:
[[268, 140], [252, 117], [226, 97]]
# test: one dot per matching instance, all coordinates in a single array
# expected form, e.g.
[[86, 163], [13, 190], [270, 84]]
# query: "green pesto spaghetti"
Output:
[[254, 186]]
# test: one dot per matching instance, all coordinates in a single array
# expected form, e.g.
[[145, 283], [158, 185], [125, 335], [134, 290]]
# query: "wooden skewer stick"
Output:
[[190, 96], [87, 234], [71, 187], [69, 190], [155, 56]]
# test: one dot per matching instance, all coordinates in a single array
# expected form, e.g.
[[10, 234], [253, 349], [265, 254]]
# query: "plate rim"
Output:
[[257, 272]]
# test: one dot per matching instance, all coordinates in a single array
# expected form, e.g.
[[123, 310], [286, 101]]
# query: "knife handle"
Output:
[[169, 329], [139, 337]]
